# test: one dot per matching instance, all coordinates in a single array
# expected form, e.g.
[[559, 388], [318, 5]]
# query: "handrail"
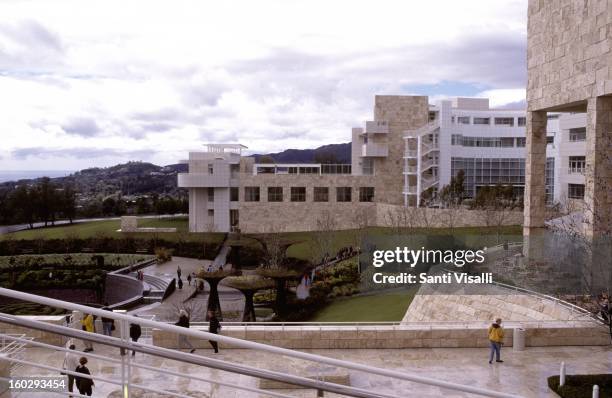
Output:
[[235, 342], [152, 368], [189, 358]]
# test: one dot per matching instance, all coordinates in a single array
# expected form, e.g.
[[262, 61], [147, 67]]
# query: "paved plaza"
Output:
[[522, 373]]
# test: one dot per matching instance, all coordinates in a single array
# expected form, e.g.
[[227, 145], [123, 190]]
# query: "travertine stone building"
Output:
[[569, 61]]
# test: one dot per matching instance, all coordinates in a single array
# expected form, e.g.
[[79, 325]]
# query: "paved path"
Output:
[[232, 301], [523, 373]]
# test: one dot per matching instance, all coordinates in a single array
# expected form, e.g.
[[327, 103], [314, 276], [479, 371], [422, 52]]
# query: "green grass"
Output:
[[477, 236], [109, 228], [389, 306]]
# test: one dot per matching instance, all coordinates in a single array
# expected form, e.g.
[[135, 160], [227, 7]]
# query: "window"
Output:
[[343, 194], [366, 194], [504, 121], [577, 164], [522, 121], [210, 168], [211, 213], [550, 139], [211, 194], [234, 194], [368, 166], [578, 134], [456, 139], [321, 194], [507, 142], [275, 194], [521, 141], [482, 120], [575, 191], [463, 119], [251, 194], [234, 170], [234, 218], [298, 194], [452, 119]]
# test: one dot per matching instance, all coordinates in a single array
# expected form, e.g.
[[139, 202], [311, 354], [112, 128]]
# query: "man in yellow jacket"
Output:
[[496, 338], [88, 325]]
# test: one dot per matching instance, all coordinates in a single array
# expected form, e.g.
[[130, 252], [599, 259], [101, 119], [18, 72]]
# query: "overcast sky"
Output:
[[86, 83]]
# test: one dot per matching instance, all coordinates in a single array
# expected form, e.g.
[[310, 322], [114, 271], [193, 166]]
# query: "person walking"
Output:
[[180, 284], [87, 324], [178, 271], [213, 327], [135, 333], [184, 322], [108, 324], [71, 361], [84, 384], [496, 339], [189, 279]]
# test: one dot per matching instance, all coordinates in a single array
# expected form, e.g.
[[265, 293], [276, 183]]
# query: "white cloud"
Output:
[[162, 77]]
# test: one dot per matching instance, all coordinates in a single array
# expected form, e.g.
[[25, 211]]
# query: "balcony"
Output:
[[374, 150], [576, 170], [203, 180], [410, 170], [377, 127]]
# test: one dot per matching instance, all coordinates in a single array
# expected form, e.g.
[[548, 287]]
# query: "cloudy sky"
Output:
[[87, 84]]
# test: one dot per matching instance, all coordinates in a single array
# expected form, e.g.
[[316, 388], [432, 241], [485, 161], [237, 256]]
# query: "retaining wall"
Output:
[[400, 336]]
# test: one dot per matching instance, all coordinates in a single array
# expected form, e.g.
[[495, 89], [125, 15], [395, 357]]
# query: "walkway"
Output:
[[523, 373], [232, 301]]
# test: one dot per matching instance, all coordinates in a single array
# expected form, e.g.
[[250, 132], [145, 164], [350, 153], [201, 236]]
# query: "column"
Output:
[[598, 175], [535, 164]]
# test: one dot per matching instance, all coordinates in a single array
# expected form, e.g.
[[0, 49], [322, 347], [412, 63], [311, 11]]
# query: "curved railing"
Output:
[[126, 343]]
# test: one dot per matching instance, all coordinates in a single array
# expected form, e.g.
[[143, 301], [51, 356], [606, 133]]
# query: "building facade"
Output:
[[408, 148]]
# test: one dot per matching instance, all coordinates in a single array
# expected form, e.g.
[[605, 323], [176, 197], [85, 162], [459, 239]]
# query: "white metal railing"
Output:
[[126, 343], [425, 129], [410, 153], [14, 349]]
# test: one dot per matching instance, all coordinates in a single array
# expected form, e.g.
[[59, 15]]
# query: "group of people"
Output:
[[190, 277]]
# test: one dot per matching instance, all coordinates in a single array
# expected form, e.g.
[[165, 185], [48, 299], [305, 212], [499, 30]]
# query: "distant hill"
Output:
[[142, 178], [340, 152]]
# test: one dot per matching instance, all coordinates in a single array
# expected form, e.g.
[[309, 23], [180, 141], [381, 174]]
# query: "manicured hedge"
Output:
[[10, 247], [581, 386]]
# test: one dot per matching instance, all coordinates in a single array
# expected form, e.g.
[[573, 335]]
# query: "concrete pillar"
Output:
[[598, 176], [535, 165]]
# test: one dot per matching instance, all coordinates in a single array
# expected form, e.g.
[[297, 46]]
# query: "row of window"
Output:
[[575, 191], [298, 194], [494, 142], [497, 121]]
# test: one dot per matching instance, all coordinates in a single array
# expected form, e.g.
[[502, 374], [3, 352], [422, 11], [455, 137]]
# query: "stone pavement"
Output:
[[232, 301], [522, 373]]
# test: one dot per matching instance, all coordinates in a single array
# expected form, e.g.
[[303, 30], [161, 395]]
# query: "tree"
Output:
[[453, 193], [108, 206], [67, 203], [23, 201], [495, 205]]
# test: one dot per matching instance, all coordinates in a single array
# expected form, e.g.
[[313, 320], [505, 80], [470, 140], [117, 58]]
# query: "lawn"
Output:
[[389, 306], [473, 236], [109, 228]]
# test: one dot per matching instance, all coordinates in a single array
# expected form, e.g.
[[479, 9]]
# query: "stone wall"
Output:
[[476, 307], [286, 216], [121, 288], [470, 335], [569, 55]]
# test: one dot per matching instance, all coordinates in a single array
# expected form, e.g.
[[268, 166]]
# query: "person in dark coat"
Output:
[[180, 284], [189, 279], [213, 327], [184, 322], [108, 324], [84, 384], [135, 333]]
